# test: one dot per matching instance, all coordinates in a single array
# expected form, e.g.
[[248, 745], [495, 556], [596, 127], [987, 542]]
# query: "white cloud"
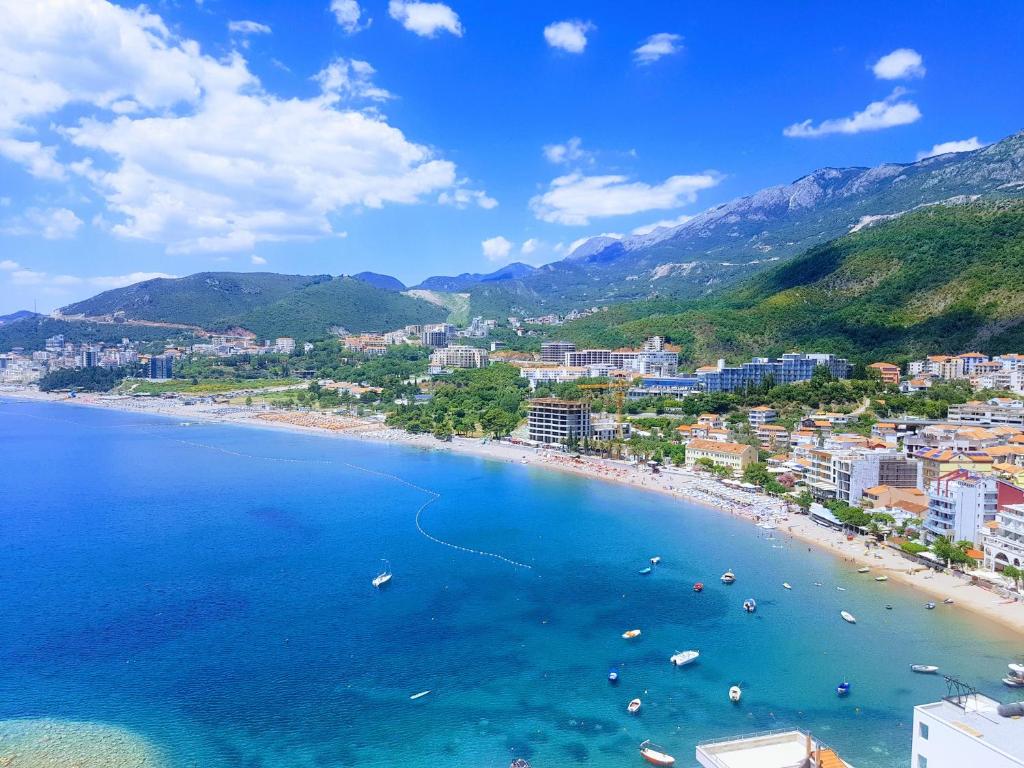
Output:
[[425, 19], [119, 281], [101, 282], [50, 223], [9, 266], [496, 248], [348, 13], [257, 260], [901, 64], [656, 46], [646, 229], [575, 199], [569, 36], [946, 147], [570, 152], [197, 155], [248, 28], [527, 248], [893, 110], [461, 197]]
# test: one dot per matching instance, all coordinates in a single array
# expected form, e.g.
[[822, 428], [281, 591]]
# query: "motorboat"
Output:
[[847, 616], [384, 576], [1016, 669], [519, 763], [682, 658], [654, 754], [786, 585], [1013, 681], [948, 601], [645, 571], [698, 587], [924, 669], [629, 634], [881, 578], [419, 695], [841, 589], [930, 605], [749, 605], [888, 607], [728, 577], [634, 706], [613, 675], [863, 569], [735, 693], [843, 689], [656, 559]]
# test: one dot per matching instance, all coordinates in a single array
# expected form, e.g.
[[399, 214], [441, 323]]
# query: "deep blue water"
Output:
[[220, 606]]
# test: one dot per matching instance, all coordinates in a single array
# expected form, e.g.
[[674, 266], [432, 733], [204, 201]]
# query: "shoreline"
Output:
[[683, 485]]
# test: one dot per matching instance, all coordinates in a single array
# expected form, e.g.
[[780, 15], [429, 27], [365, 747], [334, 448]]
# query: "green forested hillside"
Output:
[[32, 332], [942, 279], [304, 307]]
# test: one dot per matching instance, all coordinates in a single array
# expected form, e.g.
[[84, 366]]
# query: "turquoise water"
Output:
[[208, 589]]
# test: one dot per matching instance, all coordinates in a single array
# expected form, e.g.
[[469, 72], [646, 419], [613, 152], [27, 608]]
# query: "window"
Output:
[[922, 728], [922, 761]]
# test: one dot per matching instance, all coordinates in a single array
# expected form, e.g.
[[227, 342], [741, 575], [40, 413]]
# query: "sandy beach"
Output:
[[680, 483]]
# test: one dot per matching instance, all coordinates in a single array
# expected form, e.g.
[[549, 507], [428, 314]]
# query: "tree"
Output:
[[804, 500], [248, 401], [1014, 574]]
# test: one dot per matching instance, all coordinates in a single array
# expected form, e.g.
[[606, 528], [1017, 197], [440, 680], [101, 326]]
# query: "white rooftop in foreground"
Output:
[[772, 749], [978, 721]]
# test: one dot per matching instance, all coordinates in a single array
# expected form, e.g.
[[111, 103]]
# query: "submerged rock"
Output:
[[46, 743]]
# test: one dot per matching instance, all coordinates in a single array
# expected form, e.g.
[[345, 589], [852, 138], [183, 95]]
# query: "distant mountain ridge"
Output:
[[384, 282], [301, 306], [21, 314], [468, 280], [735, 239]]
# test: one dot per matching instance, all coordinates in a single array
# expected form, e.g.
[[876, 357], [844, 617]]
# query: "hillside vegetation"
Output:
[[941, 279], [301, 306]]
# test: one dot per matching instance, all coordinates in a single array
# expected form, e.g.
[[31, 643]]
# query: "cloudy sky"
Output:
[[419, 138]]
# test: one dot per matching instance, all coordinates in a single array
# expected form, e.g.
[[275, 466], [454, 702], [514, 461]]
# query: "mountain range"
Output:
[[700, 257]]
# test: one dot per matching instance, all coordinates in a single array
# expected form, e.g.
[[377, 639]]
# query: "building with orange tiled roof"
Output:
[[937, 462], [913, 501], [889, 373], [736, 456], [761, 414], [960, 503]]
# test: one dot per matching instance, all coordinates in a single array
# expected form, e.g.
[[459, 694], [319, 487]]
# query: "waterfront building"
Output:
[[553, 420], [555, 351], [998, 410], [901, 503], [887, 372], [1004, 540], [845, 474], [459, 356], [161, 367], [791, 368], [736, 456], [964, 731], [760, 415], [960, 503], [770, 749]]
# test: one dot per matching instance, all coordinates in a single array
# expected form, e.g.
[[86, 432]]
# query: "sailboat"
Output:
[[384, 576]]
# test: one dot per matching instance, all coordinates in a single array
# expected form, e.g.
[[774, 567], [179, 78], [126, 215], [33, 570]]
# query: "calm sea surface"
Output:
[[208, 588]]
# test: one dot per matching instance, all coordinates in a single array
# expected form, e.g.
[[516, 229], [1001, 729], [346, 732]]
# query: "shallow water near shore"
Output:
[[207, 588]]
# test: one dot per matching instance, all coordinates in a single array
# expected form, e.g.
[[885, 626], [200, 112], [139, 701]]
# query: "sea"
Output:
[[205, 590]]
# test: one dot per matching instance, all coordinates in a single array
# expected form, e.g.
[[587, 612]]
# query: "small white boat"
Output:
[[847, 616], [655, 560], [634, 706], [863, 569], [786, 585], [881, 578], [654, 755], [1016, 669], [384, 576], [841, 589], [749, 605], [924, 669], [629, 634], [419, 695], [1013, 681], [728, 577], [735, 693], [682, 658]]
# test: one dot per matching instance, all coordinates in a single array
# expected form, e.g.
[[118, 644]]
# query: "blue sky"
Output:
[[434, 138]]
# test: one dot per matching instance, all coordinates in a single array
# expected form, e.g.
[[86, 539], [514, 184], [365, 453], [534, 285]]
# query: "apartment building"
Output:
[[552, 420], [555, 351], [845, 475], [936, 462], [733, 455], [459, 356], [437, 335], [1004, 543], [761, 415], [889, 373], [964, 731], [791, 368], [998, 410], [960, 503]]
